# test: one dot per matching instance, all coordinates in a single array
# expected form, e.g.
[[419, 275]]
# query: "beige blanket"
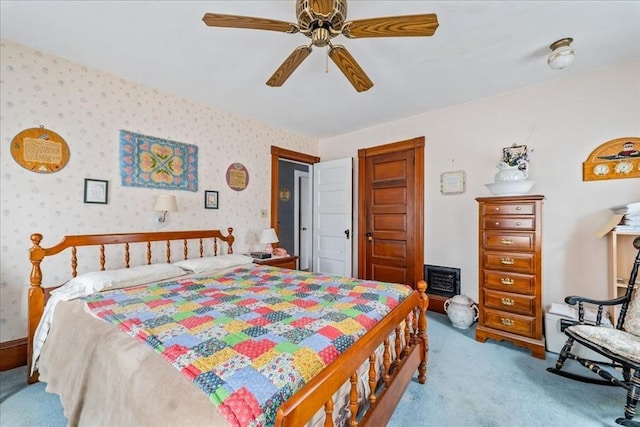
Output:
[[104, 377]]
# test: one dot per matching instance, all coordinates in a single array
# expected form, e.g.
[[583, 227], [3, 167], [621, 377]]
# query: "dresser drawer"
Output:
[[505, 261], [509, 322], [509, 282], [524, 208], [510, 241], [513, 303], [509, 223]]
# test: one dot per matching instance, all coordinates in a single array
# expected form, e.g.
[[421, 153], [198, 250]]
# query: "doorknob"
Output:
[[369, 236], [347, 232]]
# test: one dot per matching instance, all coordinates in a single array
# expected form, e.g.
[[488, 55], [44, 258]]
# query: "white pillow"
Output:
[[96, 281], [200, 265]]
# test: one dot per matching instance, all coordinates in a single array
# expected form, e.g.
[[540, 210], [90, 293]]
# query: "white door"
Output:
[[302, 219], [332, 216]]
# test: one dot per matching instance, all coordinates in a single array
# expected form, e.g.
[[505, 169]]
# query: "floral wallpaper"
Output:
[[88, 108]]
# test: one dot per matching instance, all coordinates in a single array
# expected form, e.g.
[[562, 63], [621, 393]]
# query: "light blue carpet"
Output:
[[468, 384]]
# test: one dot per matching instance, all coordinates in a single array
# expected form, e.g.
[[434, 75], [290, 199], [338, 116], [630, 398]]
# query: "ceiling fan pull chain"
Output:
[[326, 61]]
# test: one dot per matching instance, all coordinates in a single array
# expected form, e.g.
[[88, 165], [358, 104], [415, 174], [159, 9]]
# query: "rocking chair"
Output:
[[621, 345]]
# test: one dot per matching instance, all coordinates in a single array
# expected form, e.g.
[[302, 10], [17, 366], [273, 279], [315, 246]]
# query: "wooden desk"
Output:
[[290, 261]]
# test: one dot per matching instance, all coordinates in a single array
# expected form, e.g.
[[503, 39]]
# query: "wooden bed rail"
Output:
[[37, 297], [385, 394]]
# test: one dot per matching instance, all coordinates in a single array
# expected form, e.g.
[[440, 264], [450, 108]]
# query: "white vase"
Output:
[[461, 310]]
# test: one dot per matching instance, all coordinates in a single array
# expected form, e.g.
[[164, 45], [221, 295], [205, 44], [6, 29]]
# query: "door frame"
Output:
[[278, 153], [416, 144]]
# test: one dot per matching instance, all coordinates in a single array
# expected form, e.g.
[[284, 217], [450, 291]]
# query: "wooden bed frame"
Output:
[[401, 358]]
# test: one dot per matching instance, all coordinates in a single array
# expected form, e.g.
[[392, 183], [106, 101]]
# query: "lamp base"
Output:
[[269, 248]]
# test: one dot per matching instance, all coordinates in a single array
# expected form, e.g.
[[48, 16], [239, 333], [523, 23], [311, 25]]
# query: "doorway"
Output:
[[285, 225], [294, 210], [391, 212]]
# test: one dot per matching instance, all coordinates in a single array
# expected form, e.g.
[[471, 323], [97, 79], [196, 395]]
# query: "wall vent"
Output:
[[443, 281]]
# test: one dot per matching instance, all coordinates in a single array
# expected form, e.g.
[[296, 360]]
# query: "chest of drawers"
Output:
[[510, 271]]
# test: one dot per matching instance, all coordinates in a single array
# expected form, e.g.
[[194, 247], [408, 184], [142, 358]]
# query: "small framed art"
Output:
[[96, 191], [454, 182], [210, 199]]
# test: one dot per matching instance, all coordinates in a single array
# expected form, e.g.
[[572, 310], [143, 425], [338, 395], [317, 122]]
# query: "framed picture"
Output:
[[96, 191], [210, 199], [454, 182]]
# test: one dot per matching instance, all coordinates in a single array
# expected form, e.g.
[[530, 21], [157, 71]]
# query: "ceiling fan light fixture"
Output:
[[321, 21], [562, 54]]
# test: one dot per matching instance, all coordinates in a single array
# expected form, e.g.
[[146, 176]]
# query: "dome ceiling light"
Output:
[[562, 54]]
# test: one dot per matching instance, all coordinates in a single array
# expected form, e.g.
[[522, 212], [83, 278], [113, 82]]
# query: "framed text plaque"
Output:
[[237, 176], [40, 150], [454, 182]]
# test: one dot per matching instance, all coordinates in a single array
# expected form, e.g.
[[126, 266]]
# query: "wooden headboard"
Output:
[[38, 294]]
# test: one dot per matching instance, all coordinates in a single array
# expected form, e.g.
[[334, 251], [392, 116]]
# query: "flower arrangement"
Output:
[[514, 155]]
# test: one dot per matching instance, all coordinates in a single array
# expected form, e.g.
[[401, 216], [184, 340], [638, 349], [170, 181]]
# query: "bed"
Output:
[[86, 360]]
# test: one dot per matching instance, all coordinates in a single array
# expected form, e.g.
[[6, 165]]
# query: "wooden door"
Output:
[[391, 212], [332, 216]]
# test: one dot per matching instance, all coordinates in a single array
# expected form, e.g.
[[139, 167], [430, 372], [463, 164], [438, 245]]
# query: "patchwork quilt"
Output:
[[251, 337]]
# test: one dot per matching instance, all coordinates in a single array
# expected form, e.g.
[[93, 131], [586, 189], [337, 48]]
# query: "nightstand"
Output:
[[289, 261]]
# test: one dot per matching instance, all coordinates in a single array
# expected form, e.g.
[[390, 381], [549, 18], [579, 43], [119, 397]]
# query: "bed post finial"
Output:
[[35, 300], [230, 240], [422, 331]]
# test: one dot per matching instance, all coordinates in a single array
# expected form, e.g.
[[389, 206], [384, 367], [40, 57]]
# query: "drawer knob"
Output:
[[507, 281], [497, 209], [497, 223], [507, 261], [506, 242], [506, 322], [507, 301], [518, 224], [518, 208]]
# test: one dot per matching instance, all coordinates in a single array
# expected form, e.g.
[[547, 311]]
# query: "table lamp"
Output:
[[268, 237]]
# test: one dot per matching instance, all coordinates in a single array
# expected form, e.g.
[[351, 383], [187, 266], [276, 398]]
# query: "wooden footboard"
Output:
[[401, 359], [37, 296]]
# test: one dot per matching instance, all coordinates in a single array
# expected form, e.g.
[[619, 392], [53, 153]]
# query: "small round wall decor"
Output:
[[40, 150], [237, 177], [285, 194]]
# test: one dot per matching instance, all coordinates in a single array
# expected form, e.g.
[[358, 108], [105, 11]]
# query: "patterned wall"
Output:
[[87, 108]]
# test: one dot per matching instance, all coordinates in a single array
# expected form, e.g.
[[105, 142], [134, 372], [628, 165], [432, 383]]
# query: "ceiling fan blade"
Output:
[[289, 66], [322, 7], [350, 68], [235, 21], [392, 26]]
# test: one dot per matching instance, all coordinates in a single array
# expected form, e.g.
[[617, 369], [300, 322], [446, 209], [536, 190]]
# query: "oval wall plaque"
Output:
[[237, 177], [40, 150]]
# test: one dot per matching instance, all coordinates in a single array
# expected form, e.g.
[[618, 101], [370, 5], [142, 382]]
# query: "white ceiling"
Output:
[[480, 49]]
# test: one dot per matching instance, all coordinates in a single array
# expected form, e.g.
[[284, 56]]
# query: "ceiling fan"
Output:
[[321, 21]]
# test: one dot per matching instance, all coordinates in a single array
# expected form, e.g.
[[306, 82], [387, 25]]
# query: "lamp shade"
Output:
[[166, 204], [268, 235], [562, 54]]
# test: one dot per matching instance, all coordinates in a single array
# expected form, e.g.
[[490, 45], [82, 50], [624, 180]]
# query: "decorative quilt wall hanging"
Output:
[[150, 162]]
